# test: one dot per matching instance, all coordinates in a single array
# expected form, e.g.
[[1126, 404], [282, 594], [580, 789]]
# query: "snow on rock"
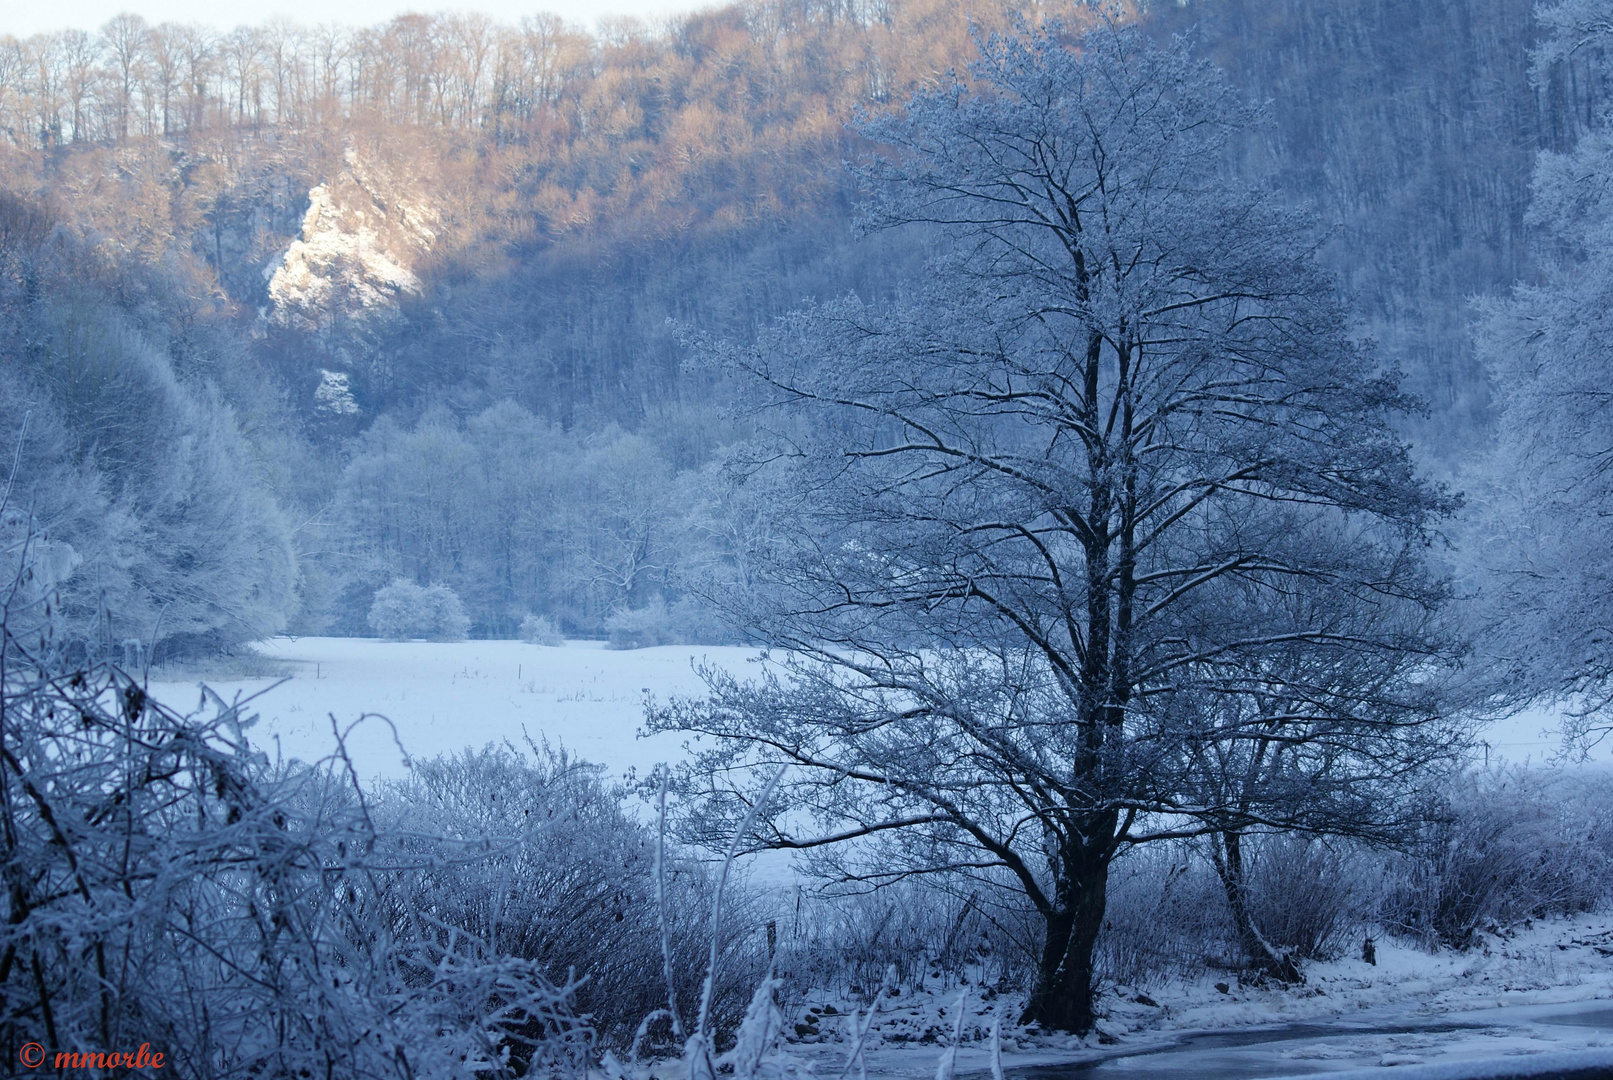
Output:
[[334, 394], [361, 237]]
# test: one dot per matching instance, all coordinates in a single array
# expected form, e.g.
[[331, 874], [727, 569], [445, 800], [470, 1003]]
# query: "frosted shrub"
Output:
[[448, 614], [1514, 844], [1166, 917], [684, 622], [403, 611], [564, 882], [540, 630], [641, 628], [243, 919], [400, 611], [1302, 894], [925, 934]]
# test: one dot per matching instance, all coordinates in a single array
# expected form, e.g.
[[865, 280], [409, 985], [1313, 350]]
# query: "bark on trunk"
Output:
[[1266, 958], [1062, 997]]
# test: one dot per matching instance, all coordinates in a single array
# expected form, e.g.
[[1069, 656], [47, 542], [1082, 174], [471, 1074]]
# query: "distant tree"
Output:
[[404, 610], [540, 630], [623, 522], [1006, 500], [125, 41], [1542, 539]]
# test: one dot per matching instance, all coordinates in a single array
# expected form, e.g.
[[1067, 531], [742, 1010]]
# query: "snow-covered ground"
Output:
[[440, 697], [1548, 988], [444, 696], [1545, 988]]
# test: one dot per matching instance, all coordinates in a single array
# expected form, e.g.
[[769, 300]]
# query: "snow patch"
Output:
[[442, 697], [334, 394]]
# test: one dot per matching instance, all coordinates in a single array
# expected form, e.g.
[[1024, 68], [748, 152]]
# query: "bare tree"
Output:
[[241, 51], [1126, 384], [168, 70], [124, 38], [1335, 728], [78, 53]]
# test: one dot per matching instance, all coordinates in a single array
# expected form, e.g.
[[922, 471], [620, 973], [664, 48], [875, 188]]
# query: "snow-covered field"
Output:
[[440, 697]]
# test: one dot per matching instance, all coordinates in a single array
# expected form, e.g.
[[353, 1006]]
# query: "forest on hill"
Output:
[[429, 284]]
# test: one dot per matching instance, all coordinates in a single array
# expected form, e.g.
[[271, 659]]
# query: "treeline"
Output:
[[725, 106], [592, 530], [460, 71]]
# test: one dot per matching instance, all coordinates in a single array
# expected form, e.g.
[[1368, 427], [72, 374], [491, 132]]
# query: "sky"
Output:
[[23, 19]]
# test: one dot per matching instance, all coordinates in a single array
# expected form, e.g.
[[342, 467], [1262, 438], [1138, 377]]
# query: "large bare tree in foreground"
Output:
[[1113, 493]]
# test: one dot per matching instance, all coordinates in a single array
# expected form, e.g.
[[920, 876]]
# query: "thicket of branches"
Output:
[[165, 883]]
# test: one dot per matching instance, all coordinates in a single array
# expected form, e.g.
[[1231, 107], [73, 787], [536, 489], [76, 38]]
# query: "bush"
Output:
[[1166, 917], [540, 630], [403, 611], [641, 628], [686, 622], [1514, 844], [1302, 894], [910, 934], [167, 880], [568, 884]]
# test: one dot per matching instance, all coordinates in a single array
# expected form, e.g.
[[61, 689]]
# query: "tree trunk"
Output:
[[1267, 959], [1062, 997]]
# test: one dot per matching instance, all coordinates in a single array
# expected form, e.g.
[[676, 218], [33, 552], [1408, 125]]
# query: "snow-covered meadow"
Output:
[[394, 700]]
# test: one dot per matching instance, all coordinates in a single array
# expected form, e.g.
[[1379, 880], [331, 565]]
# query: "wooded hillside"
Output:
[[340, 242]]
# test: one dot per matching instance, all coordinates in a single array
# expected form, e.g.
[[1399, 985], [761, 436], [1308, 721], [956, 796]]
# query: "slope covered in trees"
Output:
[[1412, 129], [422, 223]]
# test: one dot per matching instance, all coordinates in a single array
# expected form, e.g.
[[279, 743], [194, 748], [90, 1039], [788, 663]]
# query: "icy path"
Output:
[[1458, 1042], [1478, 1043], [442, 697]]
